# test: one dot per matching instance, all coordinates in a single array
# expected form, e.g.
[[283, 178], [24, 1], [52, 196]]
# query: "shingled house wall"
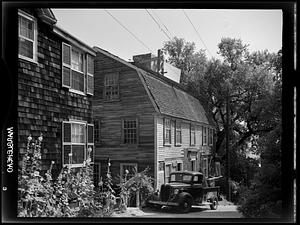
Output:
[[42, 101]]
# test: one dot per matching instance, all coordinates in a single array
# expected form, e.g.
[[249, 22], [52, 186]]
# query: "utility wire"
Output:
[[196, 32], [162, 23], [129, 31], [158, 25]]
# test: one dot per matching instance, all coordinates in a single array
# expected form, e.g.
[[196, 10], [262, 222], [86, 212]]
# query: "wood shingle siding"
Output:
[[42, 101]]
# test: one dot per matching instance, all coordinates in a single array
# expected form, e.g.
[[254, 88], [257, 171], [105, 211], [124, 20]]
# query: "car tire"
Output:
[[214, 204], [185, 205]]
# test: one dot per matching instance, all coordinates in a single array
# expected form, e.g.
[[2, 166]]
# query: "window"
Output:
[[167, 174], [27, 37], [78, 143], [178, 137], [130, 131], [167, 131], [74, 76], [111, 86], [128, 168], [161, 165], [97, 130], [179, 166], [204, 132], [193, 165], [210, 136], [192, 135]]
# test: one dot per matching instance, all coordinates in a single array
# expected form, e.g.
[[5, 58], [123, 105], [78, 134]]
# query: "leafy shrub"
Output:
[[71, 195], [139, 186]]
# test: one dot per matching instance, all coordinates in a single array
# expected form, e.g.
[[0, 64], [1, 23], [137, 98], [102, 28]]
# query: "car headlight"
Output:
[[176, 191]]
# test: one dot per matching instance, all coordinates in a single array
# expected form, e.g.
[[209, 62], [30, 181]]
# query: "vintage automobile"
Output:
[[186, 188]]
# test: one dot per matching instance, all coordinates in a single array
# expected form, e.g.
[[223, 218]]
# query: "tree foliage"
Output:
[[251, 83]]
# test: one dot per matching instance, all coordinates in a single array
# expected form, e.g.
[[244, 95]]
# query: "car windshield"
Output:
[[180, 177]]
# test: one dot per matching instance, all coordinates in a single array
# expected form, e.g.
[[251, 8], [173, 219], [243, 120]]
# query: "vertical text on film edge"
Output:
[[10, 150]]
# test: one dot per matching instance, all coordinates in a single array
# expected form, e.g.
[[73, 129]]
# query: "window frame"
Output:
[[97, 130], [130, 119], [114, 75], [192, 131], [178, 129], [84, 73], [34, 41], [165, 129], [85, 145], [204, 135]]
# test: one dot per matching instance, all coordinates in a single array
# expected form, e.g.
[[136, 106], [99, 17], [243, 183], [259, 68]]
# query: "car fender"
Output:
[[183, 195]]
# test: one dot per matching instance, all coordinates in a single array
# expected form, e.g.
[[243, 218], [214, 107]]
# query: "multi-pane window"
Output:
[[210, 136], [130, 131], [74, 74], [128, 170], [111, 86], [204, 133], [27, 37], [178, 132], [78, 142], [97, 130], [192, 135], [167, 131]]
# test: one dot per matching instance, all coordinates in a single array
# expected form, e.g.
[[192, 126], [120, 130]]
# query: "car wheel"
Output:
[[185, 205], [214, 204]]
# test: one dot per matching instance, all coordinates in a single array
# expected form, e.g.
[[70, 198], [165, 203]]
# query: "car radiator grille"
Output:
[[165, 192]]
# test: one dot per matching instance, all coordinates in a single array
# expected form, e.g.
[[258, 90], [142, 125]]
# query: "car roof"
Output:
[[187, 172]]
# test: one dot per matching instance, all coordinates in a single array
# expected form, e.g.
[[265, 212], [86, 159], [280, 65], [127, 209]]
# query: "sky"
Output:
[[261, 29]]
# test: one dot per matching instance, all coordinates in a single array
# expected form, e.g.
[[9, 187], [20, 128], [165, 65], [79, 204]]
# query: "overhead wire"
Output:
[[158, 25], [196, 31], [129, 31], [171, 34]]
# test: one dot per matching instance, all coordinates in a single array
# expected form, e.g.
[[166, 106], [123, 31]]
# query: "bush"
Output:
[[71, 195]]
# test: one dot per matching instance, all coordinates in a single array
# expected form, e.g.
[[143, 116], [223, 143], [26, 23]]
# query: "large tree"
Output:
[[247, 80], [183, 55]]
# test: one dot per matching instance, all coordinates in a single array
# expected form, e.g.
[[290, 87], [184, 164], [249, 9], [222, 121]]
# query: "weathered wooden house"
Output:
[[144, 119], [55, 89]]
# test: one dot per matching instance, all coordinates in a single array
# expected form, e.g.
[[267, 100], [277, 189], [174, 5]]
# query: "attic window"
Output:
[[27, 37], [111, 86]]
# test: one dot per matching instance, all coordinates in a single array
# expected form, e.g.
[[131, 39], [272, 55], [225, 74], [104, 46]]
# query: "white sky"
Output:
[[261, 29]]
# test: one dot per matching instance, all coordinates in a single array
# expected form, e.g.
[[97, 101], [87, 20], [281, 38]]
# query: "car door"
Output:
[[196, 188]]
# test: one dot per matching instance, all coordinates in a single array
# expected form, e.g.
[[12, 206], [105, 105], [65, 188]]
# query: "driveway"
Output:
[[223, 211]]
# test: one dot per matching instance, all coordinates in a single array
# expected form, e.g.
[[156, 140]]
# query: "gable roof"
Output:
[[168, 97]]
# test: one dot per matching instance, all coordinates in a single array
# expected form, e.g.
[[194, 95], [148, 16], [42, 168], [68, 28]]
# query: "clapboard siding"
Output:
[[133, 102], [42, 102]]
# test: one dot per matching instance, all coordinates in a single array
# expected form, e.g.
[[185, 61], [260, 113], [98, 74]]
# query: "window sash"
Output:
[[27, 37], [77, 60], [111, 86], [178, 133], [167, 131], [192, 135], [130, 131], [75, 140]]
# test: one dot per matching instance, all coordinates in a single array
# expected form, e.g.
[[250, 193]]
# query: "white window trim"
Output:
[[73, 143], [84, 72], [29, 17]]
